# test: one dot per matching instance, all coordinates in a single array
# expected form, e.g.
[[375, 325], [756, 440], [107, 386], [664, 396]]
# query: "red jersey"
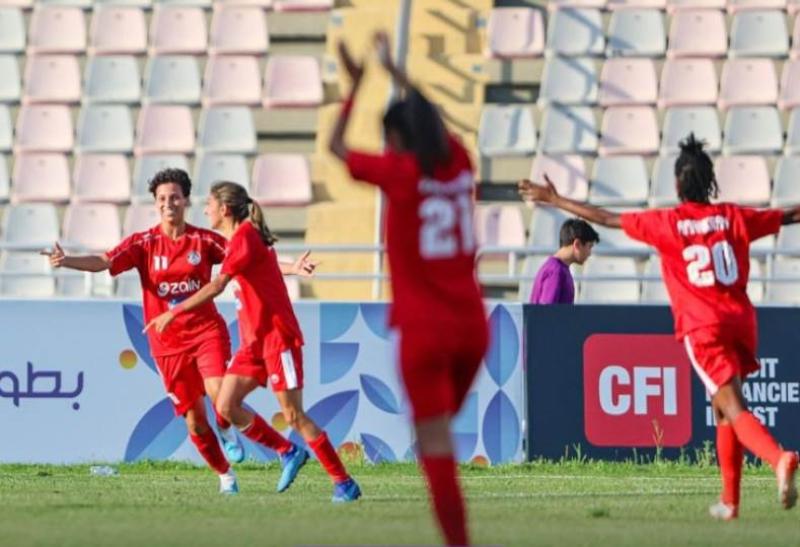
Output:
[[705, 258], [430, 237], [171, 270], [267, 323]]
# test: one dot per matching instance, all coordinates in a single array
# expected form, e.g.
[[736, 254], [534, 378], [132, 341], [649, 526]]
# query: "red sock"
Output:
[[446, 497], [328, 457], [262, 433], [222, 423], [730, 454], [756, 438], [208, 446]]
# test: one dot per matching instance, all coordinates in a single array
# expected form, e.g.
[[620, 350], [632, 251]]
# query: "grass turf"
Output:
[[568, 503]]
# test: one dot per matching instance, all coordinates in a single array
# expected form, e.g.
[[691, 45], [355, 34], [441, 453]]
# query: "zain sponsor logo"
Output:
[[178, 287]]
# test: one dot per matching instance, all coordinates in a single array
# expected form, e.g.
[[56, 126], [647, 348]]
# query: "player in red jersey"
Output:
[[704, 249], [427, 178], [271, 350]]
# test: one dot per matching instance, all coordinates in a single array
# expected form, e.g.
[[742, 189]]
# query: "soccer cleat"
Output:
[[228, 484], [291, 462], [723, 511], [785, 470], [345, 491], [234, 450]]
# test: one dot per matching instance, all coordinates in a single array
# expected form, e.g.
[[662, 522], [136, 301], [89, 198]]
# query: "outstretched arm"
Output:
[[355, 70], [87, 263], [213, 289], [791, 216], [548, 195], [302, 267]]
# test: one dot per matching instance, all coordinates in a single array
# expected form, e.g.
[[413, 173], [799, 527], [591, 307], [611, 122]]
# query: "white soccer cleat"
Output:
[[228, 484], [786, 470], [723, 511]]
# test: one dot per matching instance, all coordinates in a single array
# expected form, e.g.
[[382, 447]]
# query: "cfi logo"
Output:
[[194, 258]]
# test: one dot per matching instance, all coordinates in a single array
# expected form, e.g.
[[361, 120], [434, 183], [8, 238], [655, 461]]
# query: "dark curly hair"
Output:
[[171, 175], [694, 172]]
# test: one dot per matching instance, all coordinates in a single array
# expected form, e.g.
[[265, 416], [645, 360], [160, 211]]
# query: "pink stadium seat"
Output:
[[139, 217], [164, 129], [176, 29], [743, 179], [44, 128], [628, 81], [698, 33], [117, 30], [232, 80], [793, 7], [687, 82], [281, 179], [748, 82], [238, 29], [292, 80], [629, 130], [735, 6], [790, 85], [625, 4], [499, 226], [795, 52], [515, 32], [568, 173], [52, 79], [102, 178], [677, 5], [55, 29], [40, 177], [91, 226], [302, 5]]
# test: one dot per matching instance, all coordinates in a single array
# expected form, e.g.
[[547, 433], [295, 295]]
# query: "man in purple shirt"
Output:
[[554, 284]]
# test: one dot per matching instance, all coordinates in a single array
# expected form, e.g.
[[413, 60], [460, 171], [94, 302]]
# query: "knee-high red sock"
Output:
[[730, 454], [208, 446], [222, 423], [262, 433], [756, 438], [446, 497], [328, 458]]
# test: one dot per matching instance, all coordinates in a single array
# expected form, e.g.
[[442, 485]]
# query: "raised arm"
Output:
[[355, 70], [86, 263], [213, 289], [548, 195], [302, 267]]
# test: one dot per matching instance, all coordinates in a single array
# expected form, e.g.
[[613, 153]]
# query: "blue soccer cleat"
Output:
[[228, 484], [346, 491], [234, 450], [291, 462]]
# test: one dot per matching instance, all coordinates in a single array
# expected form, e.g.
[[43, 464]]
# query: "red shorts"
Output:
[[721, 353], [284, 370], [183, 373], [438, 367]]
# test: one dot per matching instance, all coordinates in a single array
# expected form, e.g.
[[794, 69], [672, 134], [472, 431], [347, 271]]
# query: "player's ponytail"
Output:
[[242, 207], [694, 172]]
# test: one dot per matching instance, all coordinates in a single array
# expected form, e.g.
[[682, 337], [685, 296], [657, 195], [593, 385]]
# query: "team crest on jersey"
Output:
[[194, 258]]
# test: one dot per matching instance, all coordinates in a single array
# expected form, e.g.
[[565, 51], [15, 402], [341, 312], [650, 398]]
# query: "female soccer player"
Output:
[[174, 259], [437, 309], [271, 349], [704, 250]]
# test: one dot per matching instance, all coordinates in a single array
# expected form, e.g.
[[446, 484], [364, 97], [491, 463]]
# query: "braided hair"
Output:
[[694, 172]]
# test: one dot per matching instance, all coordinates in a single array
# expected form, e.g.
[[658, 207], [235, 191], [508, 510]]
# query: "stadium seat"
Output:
[[735, 6], [282, 179], [617, 242], [795, 52], [743, 179], [568, 80], [568, 129], [292, 80], [148, 165], [232, 80], [752, 130], [205, 4], [629, 130], [748, 82], [555, 5], [52, 79], [172, 79], [139, 217], [164, 129], [129, 286], [105, 128], [793, 8], [544, 229], [642, 4], [195, 216], [91, 226], [112, 79], [40, 177], [784, 292], [609, 291], [703, 121], [178, 30], [26, 275], [575, 32], [653, 290], [118, 30], [687, 82], [211, 168], [10, 88], [662, 188], [789, 240], [104, 178], [144, 4], [226, 129], [43, 128], [31, 226], [755, 289], [627, 82], [14, 37], [697, 33], [238, 30], [568, 173], [56, 29], [620, 180], [759, 34], [530, 267], [790, 85], [636, 33], [83, 4], [5, 128], [786, 187], [498, 225], [515, 32], [302, 5], [506, 131], [5, 180], [793, 135]]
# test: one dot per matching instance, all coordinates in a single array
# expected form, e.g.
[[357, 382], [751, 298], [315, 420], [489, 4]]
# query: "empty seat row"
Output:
[[276, 5], [672, 6]]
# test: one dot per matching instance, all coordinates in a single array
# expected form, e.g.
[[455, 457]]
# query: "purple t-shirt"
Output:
[[553, 284]]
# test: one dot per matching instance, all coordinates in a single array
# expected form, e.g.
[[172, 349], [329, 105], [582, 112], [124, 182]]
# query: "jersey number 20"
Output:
[[725, 268], [441, 218]]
